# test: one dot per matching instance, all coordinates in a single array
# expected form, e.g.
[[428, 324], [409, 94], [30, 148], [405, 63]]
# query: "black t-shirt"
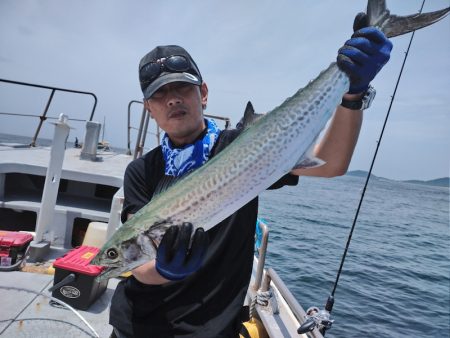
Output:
[[208, 302]]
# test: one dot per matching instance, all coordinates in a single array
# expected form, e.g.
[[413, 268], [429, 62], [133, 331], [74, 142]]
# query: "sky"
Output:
[[257, 50]]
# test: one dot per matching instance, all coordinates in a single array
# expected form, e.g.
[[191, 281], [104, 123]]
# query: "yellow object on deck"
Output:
[[126, 274], [254, 328]]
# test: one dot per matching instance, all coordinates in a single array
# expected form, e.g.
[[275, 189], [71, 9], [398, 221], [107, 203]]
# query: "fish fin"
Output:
[[377, 12], [249, 117], [393, 25], [165, 183], [248, 112], [309, 160], [398, 25]]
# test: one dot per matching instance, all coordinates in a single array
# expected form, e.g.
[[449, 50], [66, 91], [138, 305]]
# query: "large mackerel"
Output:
[[265, 151]]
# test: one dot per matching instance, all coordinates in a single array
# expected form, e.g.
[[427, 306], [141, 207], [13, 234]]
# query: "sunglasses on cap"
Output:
[[172, 64]]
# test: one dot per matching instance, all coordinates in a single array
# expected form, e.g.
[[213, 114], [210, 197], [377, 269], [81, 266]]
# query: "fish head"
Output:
[[120, 257]]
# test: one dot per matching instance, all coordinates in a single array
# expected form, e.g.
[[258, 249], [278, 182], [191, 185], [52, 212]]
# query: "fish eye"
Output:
[[112, 253]]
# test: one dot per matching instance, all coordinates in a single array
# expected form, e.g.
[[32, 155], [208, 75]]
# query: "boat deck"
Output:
[[17, 158], [27, 309], [27, 313]]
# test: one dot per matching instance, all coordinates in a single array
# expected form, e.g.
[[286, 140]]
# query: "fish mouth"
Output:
[[111, 272]]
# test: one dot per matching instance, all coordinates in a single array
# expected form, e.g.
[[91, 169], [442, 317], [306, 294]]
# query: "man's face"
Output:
[[177, 107]]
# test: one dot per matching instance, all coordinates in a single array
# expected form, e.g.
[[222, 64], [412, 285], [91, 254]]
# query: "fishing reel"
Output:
[[316, 318]]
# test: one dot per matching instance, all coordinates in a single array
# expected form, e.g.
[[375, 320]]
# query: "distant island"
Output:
[[438, 182]]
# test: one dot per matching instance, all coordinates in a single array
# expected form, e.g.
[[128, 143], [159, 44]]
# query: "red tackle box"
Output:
[[84, 290], [13, 245]]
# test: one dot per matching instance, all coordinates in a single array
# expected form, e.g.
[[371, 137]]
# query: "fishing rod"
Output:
[[321, 318]]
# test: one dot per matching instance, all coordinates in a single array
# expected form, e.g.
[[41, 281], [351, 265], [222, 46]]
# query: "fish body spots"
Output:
[[256, 159]]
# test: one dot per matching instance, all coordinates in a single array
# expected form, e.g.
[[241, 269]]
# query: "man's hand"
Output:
[[363, 56], [175, 260]]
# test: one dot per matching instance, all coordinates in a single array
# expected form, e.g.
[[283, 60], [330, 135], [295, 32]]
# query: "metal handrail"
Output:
[[129, 125], [143, 129], [297, 310], [226, 119], [262, 280], [140, 146], [261, 255], [43, 117], [34, 115]]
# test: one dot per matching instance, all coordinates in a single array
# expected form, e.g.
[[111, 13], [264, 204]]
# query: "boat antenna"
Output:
[[330, 301]]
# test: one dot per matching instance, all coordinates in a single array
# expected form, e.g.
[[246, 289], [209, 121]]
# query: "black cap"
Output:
[[191, 74]]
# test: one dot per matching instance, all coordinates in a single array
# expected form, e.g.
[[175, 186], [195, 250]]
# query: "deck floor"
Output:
[[26, 313], [109, 170]]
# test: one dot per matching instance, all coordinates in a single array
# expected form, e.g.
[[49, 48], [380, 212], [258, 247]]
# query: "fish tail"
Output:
[[393, 25]]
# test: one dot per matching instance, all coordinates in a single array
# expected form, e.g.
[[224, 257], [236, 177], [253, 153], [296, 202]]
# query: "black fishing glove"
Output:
[[363, 56], [175, 260]]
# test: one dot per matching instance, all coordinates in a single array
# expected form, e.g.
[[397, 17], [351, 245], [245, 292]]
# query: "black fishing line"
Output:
[[330, 301]]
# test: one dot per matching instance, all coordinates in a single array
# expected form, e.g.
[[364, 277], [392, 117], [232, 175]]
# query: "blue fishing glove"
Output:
[[363, 56], [175, 260]]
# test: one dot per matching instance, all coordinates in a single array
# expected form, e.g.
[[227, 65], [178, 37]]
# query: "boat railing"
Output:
[[264, 278], [262, 238], [271, 276], [43, 116], [142, 130]]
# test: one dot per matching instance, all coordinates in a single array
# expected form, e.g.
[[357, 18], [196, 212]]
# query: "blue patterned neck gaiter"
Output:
[[179, 161]]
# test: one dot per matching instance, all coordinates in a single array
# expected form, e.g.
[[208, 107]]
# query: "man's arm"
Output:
[[337, 145], [147, 273], [361, 58]]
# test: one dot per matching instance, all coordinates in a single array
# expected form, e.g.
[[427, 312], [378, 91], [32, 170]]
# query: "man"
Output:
[[197, 290]]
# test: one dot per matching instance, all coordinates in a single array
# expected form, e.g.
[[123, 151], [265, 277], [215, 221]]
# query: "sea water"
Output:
[[395, 280]]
